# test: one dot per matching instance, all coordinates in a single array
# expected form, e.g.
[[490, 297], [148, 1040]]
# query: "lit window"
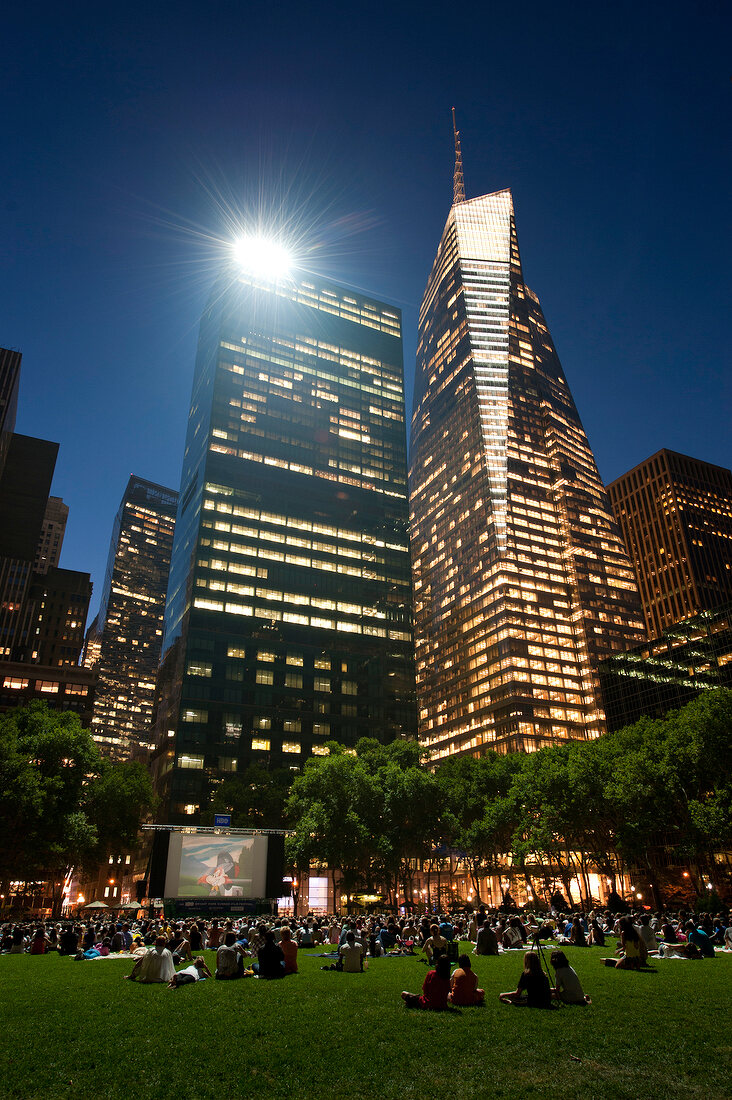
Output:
[[260, 744], [190, 761], [227, 763], [199, 668], [194, 715], [294, 659], [232, 725], [322, 662], [265, 676], [48, 687], [15, 683], [262, 723], [348, 687], [265, 656], [291, 746], [234, 651], [190, 808], [321, 750], [292, 725], [320, 683]]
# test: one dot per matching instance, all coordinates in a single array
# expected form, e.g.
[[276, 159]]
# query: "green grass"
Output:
[[75, 1029]]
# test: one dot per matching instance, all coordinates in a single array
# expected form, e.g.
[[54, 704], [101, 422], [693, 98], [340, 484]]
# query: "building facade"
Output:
[[521, 581], [53, 529], [9, 386], [127, 633], [675, 515], [288, 620], [689, 657]]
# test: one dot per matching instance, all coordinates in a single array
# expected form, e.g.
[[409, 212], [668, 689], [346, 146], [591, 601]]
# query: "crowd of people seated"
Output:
[[269, 948]]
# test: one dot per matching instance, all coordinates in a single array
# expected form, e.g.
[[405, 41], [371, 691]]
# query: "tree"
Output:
[[254, 797], [479, 813], [333, 807], [60, 803]]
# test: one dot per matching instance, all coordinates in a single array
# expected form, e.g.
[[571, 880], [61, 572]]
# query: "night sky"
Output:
[[136, 137]]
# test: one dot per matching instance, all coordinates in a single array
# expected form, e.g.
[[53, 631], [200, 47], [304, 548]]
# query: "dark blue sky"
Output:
[[130, 133]]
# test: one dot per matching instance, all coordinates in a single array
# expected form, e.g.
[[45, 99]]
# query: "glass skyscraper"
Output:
[[288, 620], [125, 639], [521, 581]]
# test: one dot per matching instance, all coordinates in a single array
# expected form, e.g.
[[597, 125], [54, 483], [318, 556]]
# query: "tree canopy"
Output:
[[61, 803]]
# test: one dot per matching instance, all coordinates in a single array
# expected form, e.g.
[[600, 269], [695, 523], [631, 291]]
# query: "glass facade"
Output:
[[125, 640], [288, 620], [662, 675], [521, 581], [675, 515]]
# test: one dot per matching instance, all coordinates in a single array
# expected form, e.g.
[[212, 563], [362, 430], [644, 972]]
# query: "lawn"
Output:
[[77, 1029]]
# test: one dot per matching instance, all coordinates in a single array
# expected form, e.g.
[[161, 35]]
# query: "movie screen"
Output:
[[216, 867]]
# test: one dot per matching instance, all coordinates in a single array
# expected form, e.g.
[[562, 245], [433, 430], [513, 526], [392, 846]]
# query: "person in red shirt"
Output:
[[435, 989], [464, 985], [289, 950]]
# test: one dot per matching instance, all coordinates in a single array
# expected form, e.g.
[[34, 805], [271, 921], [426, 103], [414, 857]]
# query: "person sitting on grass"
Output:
[[229, 959], [633, 953], [193, 973], [270, 960], [435, 988], [533, 989], [699, 938], [464, 985], [597, 936], [351, 954], [568, 988], [486, 942], [156, 965], [288, 947], [435, 945]]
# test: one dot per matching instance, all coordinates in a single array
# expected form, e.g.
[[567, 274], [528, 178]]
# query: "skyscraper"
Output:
[[52, 534], [129, 625], [288, 618], [521, 581], [675, 515]]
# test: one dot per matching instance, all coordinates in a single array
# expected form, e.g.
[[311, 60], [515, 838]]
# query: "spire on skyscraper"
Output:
[[458, 186]]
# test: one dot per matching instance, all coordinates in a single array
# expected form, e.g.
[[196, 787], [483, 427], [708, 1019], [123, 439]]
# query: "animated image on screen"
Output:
[[219, 868]]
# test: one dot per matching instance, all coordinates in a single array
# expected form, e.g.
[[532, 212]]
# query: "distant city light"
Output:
[[262, 256]]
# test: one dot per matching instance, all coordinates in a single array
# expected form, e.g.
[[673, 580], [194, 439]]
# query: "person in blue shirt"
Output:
[[700, 939], [446, 929]]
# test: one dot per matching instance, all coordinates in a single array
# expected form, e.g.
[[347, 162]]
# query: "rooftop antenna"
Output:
[[458, 186]]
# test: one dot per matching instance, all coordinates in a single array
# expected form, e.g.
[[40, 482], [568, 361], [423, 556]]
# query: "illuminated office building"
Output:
[[675, 515], [288, 617], [521, 581], [126, 636]]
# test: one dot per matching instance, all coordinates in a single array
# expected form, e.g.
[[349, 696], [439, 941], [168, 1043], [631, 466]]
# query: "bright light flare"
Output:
[[262, 257]]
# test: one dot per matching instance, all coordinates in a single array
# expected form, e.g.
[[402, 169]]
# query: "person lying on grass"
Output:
[[435, 988], [464, 985], [568, 988], [193, 973], [533, 989]]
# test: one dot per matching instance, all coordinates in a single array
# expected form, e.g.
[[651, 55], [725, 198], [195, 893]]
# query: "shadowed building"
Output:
[[521, 580], [288, 616], [128, 629], [675, 515]]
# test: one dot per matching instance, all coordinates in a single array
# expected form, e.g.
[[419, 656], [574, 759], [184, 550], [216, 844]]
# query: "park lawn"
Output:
[[76, 1029]]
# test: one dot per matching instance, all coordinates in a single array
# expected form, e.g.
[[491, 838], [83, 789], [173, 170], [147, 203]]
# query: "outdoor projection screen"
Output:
[[216, 867]]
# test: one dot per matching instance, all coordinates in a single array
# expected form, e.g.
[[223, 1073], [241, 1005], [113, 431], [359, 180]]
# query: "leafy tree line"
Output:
[[61, 803], [655, 793]]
